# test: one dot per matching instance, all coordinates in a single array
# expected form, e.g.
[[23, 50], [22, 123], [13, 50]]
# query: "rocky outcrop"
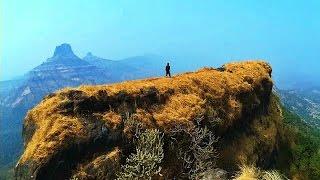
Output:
[[80, 130], [64, 50]]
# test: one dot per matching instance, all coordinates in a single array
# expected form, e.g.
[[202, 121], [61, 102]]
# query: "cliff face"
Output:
[[83, 131]]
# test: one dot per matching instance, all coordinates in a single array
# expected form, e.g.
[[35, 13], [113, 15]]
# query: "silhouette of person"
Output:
[[168, 70]]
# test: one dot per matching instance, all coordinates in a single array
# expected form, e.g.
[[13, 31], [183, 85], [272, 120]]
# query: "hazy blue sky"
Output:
[[192, 33]]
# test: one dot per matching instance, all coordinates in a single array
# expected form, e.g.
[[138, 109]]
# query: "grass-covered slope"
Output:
[[302, 150], [76, 132]]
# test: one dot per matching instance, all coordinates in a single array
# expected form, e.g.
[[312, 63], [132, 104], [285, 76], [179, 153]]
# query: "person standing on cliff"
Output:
[[168, 70]]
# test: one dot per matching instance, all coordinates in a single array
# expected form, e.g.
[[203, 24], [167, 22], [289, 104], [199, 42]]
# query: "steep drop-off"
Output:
[[83, 131]]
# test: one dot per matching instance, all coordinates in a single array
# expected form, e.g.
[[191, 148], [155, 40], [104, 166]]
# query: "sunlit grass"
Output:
[[253, 173], [191, 93]]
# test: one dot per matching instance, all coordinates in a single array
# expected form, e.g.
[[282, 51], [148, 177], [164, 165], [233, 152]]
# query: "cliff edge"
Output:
[[88, 132]]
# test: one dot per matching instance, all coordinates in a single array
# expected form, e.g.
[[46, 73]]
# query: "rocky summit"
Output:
[[88, 132], [64, 50]]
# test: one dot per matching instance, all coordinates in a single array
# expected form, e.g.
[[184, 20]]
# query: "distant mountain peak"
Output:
[[89, 54], [90, 57], [64, 50], [62, 56]]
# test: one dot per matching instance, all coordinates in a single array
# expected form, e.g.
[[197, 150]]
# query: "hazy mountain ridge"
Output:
[[305, 102], [129, 68], [63, 69]]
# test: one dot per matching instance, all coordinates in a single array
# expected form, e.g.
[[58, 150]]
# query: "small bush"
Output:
[[145, 163], [253, 173], [272, 175], [196, 150], [133, 126]]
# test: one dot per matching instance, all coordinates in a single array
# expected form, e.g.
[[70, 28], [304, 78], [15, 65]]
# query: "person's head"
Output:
[[167, 64]]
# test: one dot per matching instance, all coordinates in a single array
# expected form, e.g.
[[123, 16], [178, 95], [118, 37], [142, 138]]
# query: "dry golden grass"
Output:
[[114, 155], [233, 77], [247, 173], [253, 173], [101, 167], [259, 143], [189, 87], [112, 119], [55, 130], [182, 107]]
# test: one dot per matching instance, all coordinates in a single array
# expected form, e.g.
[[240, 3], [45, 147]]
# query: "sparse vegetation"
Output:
[[196, 148], [145, 162], [253, 173]]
